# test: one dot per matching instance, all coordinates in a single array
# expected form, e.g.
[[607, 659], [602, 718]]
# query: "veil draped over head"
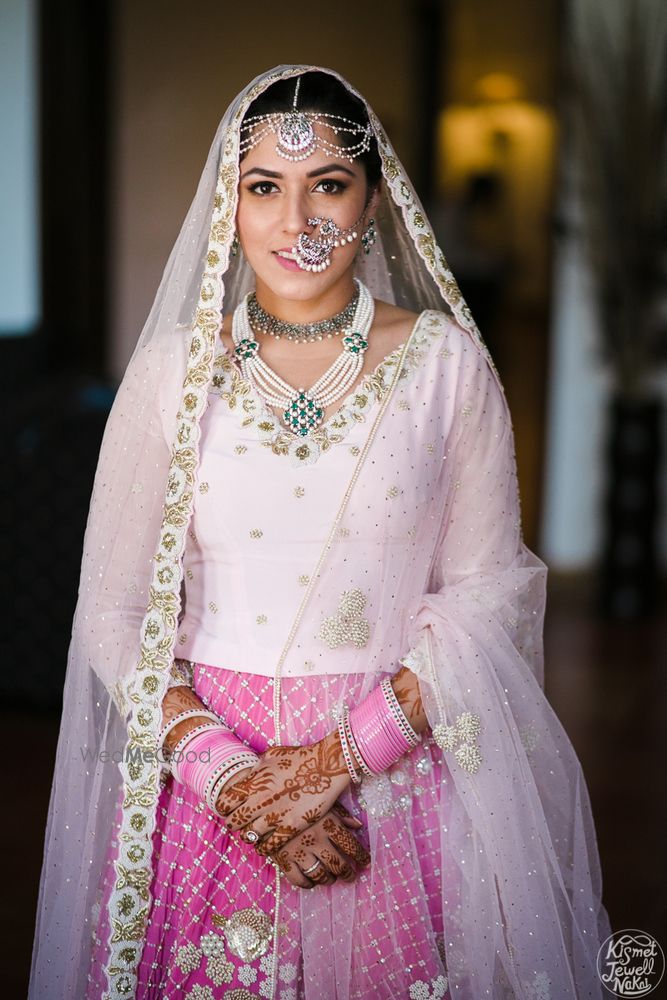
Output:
[[462, 605]]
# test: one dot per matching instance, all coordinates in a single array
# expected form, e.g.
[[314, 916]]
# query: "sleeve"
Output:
[[521, 832]]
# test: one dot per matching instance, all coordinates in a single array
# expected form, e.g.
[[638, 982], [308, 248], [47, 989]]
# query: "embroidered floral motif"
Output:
[[287, 972], [219, 970], [377, 796], [348, 623], [247, 975], [530, 738], [461, 738], [540, 988], [434, 990], [188, 957], [200, 993], [247, 932], [212, 944]]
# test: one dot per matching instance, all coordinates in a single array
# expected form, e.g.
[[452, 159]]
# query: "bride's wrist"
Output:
[[332, 754], [234, 780]]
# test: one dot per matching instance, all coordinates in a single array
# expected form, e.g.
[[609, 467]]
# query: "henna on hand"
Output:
[[318, 843], [406, 688], [288, 790], [180, 699], [346, 841]]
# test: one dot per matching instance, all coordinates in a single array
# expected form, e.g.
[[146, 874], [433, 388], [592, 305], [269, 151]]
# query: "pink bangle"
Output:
[[206, 757], [380, 730]]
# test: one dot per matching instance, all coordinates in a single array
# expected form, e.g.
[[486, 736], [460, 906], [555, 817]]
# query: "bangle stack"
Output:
[[376, 733], [206, 758], [193, 713]]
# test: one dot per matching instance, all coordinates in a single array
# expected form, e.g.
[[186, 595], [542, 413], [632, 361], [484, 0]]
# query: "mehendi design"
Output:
[[346, 841], [406, 688], [336, 864]]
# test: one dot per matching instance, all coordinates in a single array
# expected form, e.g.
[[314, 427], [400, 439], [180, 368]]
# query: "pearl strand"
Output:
[[305, 410]]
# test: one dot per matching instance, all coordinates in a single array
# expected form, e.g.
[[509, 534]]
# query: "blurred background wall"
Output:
[[107, 114]]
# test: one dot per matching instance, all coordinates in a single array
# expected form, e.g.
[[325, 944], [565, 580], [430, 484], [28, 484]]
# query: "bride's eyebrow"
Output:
[[275, 175], [261, 172], [329, 168]]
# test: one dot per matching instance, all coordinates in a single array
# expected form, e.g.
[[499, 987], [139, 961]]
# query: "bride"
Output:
[[305, 751]]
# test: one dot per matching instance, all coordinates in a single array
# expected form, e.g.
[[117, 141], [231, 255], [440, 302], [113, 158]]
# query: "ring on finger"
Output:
[[250, 836], [307, 871]]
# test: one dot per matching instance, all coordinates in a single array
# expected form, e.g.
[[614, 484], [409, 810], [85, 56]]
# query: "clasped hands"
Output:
[[286, 807]]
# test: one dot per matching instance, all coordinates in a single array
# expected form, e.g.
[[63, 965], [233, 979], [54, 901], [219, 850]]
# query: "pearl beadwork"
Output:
[[303, 410]]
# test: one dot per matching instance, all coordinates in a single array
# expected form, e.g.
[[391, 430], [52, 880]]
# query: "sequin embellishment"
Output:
[[348, 623], [248, 933]]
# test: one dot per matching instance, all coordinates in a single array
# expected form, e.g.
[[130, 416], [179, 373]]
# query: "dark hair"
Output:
[[325, 93]]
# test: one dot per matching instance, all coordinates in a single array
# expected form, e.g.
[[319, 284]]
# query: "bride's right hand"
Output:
[[329, 845]]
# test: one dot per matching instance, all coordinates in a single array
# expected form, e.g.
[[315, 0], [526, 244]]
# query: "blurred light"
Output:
[[498, 87]]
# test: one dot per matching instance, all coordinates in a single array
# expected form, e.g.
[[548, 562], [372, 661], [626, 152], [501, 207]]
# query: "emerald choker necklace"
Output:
[[262, 321]]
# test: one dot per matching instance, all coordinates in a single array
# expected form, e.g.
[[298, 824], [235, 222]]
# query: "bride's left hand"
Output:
[[287, 790]]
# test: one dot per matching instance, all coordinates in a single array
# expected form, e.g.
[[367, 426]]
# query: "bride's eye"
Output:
[[263, 187], [330, 186]]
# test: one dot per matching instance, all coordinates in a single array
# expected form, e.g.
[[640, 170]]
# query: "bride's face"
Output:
[[276, 199]]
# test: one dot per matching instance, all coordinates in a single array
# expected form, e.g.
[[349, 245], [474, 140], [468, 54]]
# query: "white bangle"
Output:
[[246, 760], [195, 713], [399, 715], [347, 754]]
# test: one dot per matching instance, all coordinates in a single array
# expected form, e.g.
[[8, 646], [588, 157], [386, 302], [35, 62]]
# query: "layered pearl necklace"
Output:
[[303, 409]]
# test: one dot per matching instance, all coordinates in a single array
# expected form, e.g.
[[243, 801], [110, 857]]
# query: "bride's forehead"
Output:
[[265, 155]]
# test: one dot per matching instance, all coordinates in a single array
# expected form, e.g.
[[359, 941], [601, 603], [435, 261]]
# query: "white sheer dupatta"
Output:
[[528, 905]]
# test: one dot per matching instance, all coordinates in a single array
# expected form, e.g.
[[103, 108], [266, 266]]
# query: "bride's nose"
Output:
[[296, 215]]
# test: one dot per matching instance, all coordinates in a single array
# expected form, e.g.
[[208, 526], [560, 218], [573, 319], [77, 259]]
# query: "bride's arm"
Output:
[[176, 700]]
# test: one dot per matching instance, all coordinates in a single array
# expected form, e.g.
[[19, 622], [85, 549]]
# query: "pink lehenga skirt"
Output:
[[212, 915]]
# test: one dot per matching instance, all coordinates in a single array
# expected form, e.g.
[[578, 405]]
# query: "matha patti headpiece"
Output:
[[296, 135]]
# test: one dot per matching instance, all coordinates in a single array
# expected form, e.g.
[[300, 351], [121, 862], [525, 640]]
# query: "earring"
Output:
[[234, 249], [369, 236]]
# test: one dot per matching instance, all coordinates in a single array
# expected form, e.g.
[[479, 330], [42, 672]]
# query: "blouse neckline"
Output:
[[229, 383]]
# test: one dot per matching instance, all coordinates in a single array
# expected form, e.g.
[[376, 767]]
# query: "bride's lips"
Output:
[[287, 262]]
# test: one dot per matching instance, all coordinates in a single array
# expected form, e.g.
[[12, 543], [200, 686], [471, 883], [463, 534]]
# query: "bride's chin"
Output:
[[299, 286]]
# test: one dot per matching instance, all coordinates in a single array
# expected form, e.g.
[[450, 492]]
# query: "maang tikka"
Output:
[[296, 135]]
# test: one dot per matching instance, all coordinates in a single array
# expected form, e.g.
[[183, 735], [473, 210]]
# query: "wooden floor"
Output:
[[608, 684]]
